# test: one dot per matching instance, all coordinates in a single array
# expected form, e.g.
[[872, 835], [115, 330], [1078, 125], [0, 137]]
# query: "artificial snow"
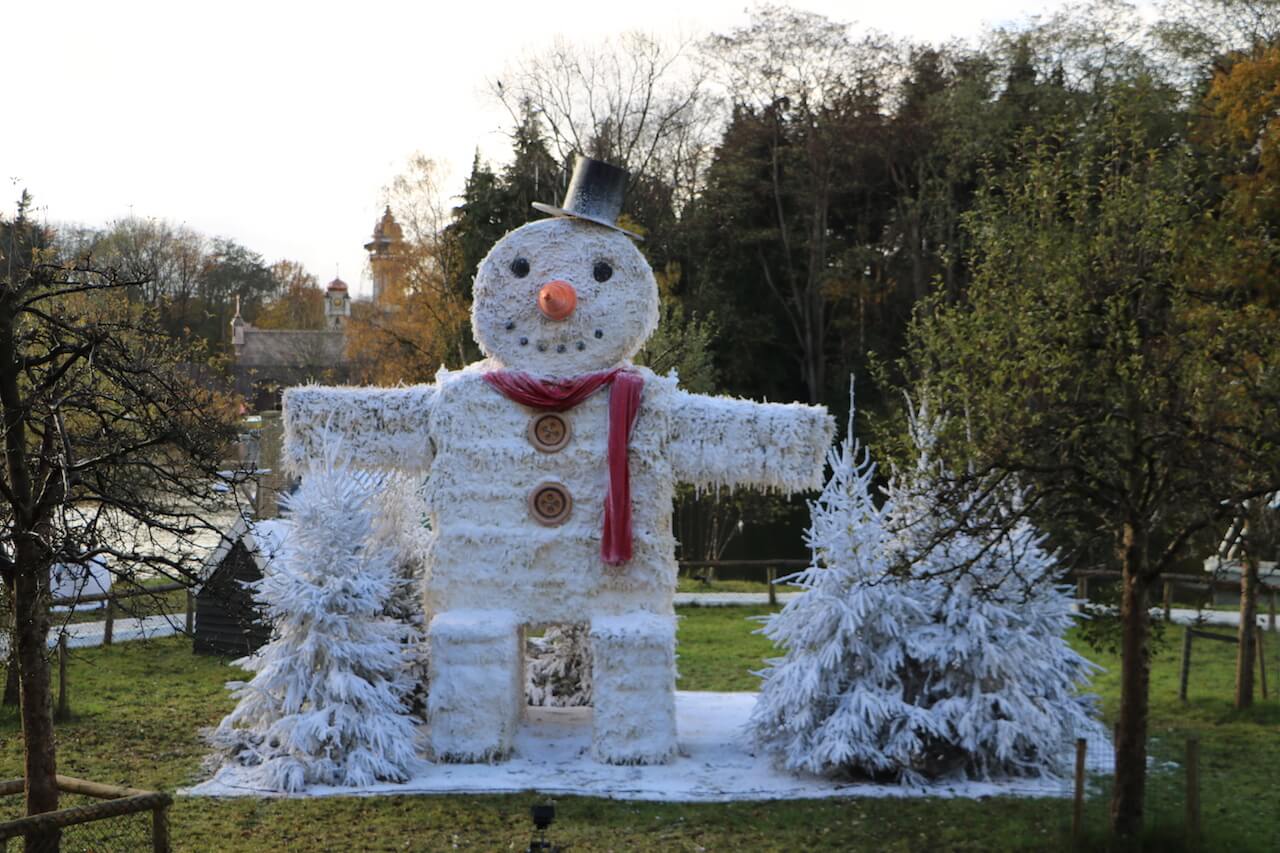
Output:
[[552, 755]]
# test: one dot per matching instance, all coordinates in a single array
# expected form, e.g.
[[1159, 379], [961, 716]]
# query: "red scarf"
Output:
[[560, 395]]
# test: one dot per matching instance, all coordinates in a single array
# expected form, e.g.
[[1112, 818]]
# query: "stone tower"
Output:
[[337, 304], [386, 257]]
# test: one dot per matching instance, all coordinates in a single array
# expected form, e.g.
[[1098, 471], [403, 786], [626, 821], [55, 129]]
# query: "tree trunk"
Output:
[[10, 699], [1131, 729], [11, 675], [1248, 618], [39, 765]]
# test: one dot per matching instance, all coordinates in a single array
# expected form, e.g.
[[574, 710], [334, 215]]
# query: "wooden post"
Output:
[[160, 830], [1193, 790], [1168, 600], [108, 626], [1077, 810], [1184, 672], [771, 575], [1271, 611], [63, 711], [1082, 588], [1262, 660], [191, 613]]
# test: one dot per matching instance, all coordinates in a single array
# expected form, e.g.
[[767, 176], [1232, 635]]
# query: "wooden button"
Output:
[[550, 504], [549, 432]]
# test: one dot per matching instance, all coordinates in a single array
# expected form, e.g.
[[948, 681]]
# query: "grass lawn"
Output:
[[688, 584], [138, 706]]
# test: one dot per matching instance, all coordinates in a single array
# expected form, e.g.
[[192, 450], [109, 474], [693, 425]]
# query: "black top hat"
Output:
[[595, 194]]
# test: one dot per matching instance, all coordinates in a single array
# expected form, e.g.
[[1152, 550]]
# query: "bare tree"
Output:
[[635, 101], [111, 453]]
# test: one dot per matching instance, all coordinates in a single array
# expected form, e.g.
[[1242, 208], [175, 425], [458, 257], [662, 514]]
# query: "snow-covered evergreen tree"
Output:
[[1003, 683], [895, 666], [327, 702], [558, 667], [400, 524]]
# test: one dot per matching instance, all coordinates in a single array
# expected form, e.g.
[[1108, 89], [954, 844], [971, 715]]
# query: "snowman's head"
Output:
[[561, 297]]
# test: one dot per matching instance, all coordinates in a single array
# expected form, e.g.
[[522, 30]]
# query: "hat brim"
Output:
[[560, 211]]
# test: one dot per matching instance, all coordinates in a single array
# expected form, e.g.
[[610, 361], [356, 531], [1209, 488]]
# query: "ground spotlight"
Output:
[[543, 814]]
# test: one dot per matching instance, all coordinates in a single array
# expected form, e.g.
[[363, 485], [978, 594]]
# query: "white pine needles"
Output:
[[898, 666], [327, 702]]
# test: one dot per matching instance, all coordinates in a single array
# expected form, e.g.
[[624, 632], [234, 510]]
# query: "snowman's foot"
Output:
[[633, 683], [477, 689]]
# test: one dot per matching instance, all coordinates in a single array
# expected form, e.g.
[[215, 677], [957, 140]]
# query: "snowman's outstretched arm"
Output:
[[378, 427], [721, 441]]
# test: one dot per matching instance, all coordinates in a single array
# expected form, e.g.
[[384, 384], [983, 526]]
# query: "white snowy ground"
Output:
[[552, 755]]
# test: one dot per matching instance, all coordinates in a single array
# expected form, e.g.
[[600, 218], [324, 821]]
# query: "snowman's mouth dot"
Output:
[[524, 342], [560, 348], [542, 347], [581, 346]]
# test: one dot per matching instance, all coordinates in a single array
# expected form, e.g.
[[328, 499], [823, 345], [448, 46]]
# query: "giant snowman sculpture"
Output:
[[550, 470]]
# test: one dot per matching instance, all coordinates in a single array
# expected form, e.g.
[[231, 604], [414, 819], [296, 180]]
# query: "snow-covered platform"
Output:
[[552, 756]]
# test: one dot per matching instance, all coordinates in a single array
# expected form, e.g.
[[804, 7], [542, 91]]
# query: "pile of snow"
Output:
[[552, 755], [76, 580]]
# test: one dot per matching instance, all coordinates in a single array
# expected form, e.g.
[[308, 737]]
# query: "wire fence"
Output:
[[91, 818], [1181, 809]]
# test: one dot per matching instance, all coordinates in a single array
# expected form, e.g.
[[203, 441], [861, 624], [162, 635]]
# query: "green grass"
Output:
[[137, 708], [688, 584]]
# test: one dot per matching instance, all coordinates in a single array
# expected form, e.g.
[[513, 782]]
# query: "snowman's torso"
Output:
[[489, 547]]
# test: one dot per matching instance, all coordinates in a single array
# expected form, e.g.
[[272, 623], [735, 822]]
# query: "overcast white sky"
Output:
[[278, 124]]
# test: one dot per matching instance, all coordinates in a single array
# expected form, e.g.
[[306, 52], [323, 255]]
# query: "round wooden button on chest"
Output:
[[549, 432], [550, 504]]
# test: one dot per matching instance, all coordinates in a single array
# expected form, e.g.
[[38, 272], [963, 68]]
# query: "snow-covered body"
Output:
[[493, 568]]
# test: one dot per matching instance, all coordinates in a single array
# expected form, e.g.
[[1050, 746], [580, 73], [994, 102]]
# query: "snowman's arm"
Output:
[[721, 441], [378, 427]]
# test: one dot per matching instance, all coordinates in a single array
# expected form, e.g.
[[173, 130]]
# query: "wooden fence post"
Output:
[[63, 710], [108, 627], [1184, 672], [1271, 611], [771, 576], [160, 830], [191, 613], [1082, 588], [1168, 600], [1077, 809], [1262, 659], [1193, 790]]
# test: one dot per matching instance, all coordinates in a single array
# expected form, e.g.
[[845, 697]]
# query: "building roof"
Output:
[[291, 348]]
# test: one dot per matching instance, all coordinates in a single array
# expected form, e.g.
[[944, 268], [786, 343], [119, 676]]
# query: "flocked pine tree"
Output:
[[896, 669], [1001, 680], [327, 702]]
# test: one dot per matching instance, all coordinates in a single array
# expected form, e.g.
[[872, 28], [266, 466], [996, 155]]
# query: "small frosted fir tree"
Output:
[[400, 524], [889, 673], [993, 662], [328, 701], [836, 702]]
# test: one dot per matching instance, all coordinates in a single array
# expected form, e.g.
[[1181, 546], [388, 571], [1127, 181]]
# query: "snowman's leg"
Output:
[[633, 687], [477, 689]]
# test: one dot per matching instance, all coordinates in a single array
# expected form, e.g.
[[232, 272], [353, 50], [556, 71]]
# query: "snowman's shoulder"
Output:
[[453, 384]]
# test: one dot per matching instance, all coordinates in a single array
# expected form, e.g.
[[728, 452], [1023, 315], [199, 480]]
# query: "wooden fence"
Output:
[[115, 802], [109, 617], [63, 711]]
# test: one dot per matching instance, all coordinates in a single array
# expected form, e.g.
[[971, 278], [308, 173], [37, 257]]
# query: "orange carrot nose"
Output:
[[557, 299]]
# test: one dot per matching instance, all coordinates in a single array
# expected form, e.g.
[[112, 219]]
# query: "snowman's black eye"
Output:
[[603, 272], [520, 267]]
